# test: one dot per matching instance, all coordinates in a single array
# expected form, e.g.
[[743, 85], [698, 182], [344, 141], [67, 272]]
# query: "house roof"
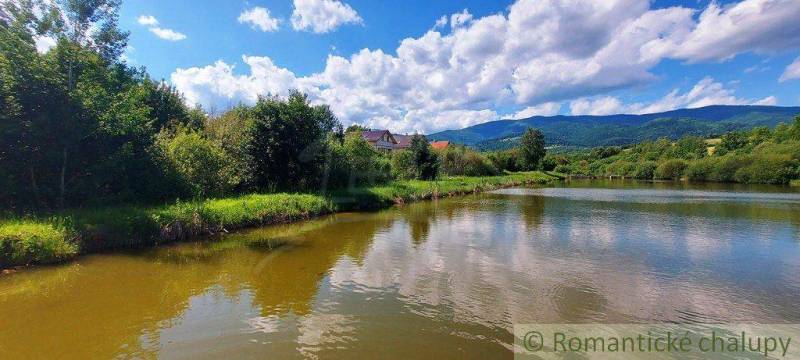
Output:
[[403, 141], [375, 135], [440, 144]]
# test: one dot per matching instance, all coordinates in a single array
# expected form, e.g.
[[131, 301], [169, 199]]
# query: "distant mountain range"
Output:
[[588, 131]]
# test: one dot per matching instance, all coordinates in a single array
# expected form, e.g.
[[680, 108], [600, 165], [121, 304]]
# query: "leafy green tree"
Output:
[[794, 131], [760, 134], [77, 124], [403, 166], [168, 107], [532, 149], [230, 131], [36, 110], [505, 160], [459, 160], [356, 128], [672, 169], [688, 147], [732, 141], [645, 170], [425, 161], [288, 142], [620, 168], [92, 24], [768, 169], [199, 162], [356, 163], [604, 152]]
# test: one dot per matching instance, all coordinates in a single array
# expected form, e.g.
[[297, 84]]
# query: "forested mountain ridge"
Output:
[[622, 129]]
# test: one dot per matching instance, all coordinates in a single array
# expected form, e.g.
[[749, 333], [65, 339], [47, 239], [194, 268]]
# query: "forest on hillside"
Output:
[[760, 155]]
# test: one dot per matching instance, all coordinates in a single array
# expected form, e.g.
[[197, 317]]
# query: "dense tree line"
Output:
[[529, 155], [79, 127], [76, 124], [760, 155]]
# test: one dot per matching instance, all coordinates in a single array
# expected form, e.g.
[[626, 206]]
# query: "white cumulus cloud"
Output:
[[750, 25], [217, 86], [259, 18], [706, 92], [167, 34], [441, 22], [459, 19], [147, 20], [769, 100], [605, 105], [792, 71], [546, 109], [322, 16], [164, 33], [536, 52]]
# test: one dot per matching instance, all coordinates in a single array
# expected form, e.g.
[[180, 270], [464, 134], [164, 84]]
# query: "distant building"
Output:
[[384, 140], [439, 145], [381, 140], [403, 142]]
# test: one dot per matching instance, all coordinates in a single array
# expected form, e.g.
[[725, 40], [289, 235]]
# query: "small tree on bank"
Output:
[[426, 162], [287, 143], [532, 149]]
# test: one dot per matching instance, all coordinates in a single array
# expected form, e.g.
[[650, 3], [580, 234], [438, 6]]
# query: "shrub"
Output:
[[769, 169], [645, 170], [550, 162], [620, 168], [199, 162], [505, 160], [564, 169], [580, 168], [688, 147], [700, 170], [402, 165], [604, 152], [732, 141], [789, 147], [356, 163], [458, 161], [725, 168], [229, 132], [425, 162], [671, 169], [717, 168]]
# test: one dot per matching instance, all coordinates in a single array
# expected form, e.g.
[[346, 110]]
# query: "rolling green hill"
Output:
[[588, 131]]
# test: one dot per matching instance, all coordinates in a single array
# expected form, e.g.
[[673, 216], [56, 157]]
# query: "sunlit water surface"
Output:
[[441, 279]]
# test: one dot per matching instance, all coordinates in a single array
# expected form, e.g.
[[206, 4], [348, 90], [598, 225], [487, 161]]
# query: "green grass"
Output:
[[403, 191], [65, 235], [794, 183], [25, 242], [121, 227]]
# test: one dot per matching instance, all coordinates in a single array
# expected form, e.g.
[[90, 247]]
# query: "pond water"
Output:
[[439, 279]]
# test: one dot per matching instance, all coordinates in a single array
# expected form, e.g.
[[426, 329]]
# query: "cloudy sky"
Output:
[[425, 66]]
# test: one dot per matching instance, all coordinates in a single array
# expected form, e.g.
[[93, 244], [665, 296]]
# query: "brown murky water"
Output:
[[444, 279]]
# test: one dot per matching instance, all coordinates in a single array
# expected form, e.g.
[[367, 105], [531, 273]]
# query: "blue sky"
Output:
[[483, 61]]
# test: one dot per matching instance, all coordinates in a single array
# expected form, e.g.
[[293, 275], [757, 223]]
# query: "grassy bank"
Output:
[[60, 237], [30, 241]]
